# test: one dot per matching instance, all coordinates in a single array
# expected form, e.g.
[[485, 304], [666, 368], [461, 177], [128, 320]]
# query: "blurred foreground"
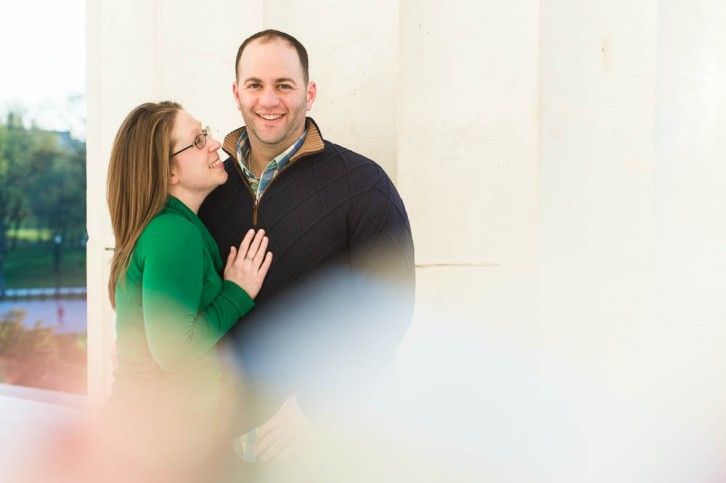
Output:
[[570, 378]]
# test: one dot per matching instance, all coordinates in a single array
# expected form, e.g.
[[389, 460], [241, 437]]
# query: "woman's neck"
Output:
[[191, 200]]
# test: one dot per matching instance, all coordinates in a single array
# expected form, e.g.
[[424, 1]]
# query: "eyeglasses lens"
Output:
[[201, 140]]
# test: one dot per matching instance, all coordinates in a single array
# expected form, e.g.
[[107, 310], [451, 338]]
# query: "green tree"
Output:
[[14, 142], [42, 178], [59, 202]]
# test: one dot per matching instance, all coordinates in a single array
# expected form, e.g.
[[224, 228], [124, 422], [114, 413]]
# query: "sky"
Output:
[[44, 62]]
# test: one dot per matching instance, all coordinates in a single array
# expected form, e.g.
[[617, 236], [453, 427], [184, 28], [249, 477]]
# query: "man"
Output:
[[339, 295]]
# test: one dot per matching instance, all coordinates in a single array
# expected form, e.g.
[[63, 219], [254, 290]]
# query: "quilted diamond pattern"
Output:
[[332, 212]]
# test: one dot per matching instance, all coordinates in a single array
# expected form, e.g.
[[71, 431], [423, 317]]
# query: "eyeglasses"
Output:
[[199, 141]]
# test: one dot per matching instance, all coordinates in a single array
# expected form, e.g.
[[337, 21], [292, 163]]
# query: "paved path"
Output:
[[67, 316]]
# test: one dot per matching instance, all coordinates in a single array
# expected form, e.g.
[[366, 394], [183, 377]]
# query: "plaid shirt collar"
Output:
[[258, 185], [313, 144]]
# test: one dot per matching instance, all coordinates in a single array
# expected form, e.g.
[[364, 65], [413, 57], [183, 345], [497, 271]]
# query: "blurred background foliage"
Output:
[[40, 357], [42, 206], [42, 245]]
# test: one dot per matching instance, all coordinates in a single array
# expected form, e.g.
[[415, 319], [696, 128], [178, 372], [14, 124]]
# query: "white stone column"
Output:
[[597, 231], [690, 330], [122, 50], [467, 163]]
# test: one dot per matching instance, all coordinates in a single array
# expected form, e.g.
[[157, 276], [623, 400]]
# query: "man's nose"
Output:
[[269, 97]]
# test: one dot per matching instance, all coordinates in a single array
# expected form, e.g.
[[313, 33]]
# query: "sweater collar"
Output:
[[313, 141], [175, 205]]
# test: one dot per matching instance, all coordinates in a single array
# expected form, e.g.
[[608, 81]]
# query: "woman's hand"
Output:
[[248, 266]]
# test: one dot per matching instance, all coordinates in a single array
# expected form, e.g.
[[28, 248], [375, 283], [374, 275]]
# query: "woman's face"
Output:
[[195, 171]]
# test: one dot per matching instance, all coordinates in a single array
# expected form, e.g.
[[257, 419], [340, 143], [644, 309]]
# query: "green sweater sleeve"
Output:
[[176, 280]]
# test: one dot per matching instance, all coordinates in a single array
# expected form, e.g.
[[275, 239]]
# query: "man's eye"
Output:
[[285, 86], [254, 85]]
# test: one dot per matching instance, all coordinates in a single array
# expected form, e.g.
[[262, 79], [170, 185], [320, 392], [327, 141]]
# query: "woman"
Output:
[[171, 305]]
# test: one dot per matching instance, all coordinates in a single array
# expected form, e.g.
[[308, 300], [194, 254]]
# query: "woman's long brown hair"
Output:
[[138, 179]]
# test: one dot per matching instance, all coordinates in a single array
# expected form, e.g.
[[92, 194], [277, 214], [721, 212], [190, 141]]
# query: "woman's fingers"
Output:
[[259, 256], [253, 249], [255, 245], [266, 264], [245, 245]]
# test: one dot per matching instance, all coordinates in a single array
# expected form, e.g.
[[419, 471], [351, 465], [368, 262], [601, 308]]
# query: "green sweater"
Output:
[[186, 306], [171, 310]]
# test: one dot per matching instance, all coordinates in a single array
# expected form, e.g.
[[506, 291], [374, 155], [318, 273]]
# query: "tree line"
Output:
[[42, 184]]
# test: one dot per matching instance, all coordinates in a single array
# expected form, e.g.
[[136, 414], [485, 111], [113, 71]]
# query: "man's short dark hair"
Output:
[[268, 36]]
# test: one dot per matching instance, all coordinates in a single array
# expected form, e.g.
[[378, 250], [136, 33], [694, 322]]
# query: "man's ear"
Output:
[[235, 93], [312, 94]]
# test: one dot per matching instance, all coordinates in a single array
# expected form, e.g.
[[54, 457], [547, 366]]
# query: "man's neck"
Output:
[[258, 160], [261, 155]]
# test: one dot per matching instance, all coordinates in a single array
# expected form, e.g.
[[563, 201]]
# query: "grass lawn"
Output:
[[32, 267], [30, 234]]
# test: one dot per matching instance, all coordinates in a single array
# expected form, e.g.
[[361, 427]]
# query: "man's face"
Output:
[[272, 95]]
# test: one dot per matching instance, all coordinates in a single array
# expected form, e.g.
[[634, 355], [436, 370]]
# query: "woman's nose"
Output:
[[214, 144]]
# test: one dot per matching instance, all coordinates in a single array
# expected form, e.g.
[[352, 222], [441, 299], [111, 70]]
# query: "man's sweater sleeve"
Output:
[[177, 328], [354, 336], [382, 256]]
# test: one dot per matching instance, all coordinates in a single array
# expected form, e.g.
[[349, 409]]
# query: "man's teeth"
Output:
[[216, 163], [270, 117]]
